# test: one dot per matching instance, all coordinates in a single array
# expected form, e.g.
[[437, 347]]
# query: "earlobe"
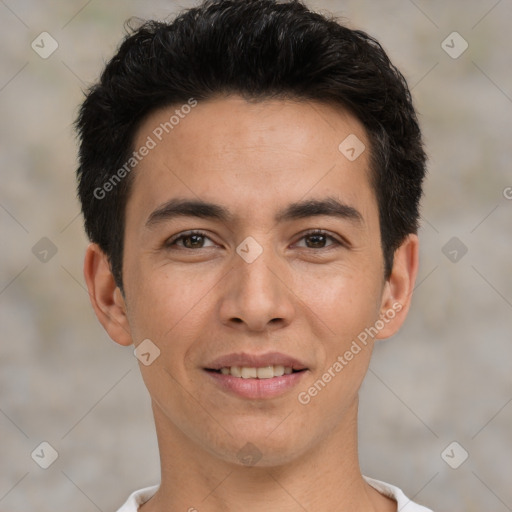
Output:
[[397, 294], [106, 298]]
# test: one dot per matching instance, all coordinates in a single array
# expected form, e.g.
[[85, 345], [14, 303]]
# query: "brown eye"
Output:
[[190, 240], [318, 240]]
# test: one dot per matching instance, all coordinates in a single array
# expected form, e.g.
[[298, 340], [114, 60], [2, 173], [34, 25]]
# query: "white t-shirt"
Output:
[[404, 504]]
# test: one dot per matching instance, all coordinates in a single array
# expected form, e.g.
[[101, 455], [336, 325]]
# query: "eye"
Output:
[[315, 239], [318, 239], [190, 240]]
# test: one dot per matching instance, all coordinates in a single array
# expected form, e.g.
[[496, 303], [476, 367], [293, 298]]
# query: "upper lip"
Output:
[[256, 361]]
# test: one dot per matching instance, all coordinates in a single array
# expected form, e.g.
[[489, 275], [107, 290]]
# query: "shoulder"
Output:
[[404, 504], [138, 498]]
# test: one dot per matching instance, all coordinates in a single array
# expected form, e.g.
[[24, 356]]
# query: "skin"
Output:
[[306, 297]]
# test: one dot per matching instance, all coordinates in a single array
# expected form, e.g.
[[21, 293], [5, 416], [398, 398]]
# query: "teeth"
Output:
[[267, 372], [235, 371], [249, 373], [279, 370]]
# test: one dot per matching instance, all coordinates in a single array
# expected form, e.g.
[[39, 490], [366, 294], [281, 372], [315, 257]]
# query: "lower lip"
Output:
[[257, 388]]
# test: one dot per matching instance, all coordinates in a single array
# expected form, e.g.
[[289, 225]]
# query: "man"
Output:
[[250, 177]]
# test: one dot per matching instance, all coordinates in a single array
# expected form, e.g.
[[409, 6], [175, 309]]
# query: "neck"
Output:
[[327, 477]]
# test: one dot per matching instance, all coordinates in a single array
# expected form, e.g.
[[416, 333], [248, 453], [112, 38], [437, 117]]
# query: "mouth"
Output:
[[251, 372], [252, 366], [256, 377]]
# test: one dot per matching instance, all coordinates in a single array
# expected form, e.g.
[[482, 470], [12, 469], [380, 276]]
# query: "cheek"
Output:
[[343, 310], [167, 306], [165, 301], [345, 299]]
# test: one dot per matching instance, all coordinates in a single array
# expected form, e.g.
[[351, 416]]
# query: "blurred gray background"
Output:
[[446, 377]]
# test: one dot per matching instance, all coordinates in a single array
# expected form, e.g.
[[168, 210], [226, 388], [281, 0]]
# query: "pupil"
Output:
[[317, 237], [192, 244]]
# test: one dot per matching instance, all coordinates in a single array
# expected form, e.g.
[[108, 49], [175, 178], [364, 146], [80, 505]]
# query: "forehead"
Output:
[[251, 154]]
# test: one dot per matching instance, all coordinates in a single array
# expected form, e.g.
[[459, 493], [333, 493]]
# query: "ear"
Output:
[[397, 293], [106, 298]]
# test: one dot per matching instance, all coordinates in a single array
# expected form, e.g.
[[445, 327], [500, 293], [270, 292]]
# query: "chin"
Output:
[[259, 449]]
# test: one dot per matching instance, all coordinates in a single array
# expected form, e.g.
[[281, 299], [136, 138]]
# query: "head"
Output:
[[273, 120]]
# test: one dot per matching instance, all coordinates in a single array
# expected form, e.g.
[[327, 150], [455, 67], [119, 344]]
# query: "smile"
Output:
[[256, 383], [248, 372]]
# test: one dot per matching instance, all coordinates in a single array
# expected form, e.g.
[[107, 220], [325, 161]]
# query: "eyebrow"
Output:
[[177, 207]]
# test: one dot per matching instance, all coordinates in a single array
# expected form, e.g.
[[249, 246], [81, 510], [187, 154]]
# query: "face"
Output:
[[280, 269]]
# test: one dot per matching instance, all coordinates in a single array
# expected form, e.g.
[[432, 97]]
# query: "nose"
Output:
[[256, 295]]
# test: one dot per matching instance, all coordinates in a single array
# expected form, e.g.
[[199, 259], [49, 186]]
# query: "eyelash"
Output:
[[170, 243]]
